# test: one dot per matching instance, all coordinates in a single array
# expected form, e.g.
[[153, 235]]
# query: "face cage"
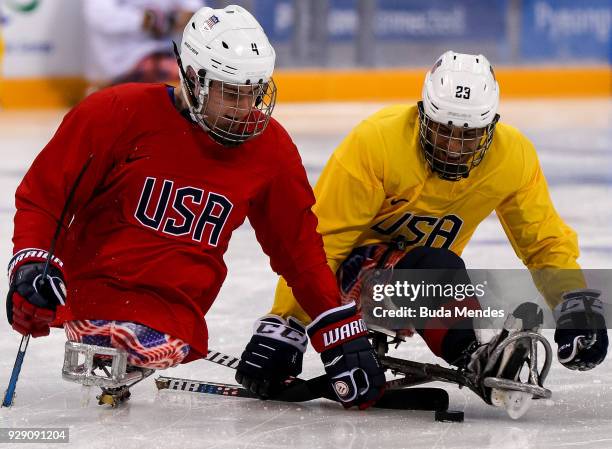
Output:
[[232, 113], [238, 123], [437, 155], [238, 112]]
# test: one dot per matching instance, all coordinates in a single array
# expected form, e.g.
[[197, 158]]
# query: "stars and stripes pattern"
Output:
[[211, 22], [146, 347], [362, 260], [356, 274]]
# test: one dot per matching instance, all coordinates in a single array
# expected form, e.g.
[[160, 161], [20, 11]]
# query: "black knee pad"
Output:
[[432, 266]]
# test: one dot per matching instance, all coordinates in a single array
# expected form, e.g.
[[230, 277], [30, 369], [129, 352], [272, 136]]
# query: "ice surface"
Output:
[[574, 140]]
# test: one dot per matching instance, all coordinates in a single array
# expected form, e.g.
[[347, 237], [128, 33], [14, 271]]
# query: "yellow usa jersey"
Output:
[[377, 186]]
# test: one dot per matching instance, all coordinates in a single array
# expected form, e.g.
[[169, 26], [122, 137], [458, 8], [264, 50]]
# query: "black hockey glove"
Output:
[[581, 335], [273, 355], [32, 300], [355, 373]]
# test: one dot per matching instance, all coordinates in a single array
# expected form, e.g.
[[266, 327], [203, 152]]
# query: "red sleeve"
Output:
[[87, 132], [285, 227]]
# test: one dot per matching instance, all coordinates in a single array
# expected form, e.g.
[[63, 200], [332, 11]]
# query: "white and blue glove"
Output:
[[581, 335], [273, 355]]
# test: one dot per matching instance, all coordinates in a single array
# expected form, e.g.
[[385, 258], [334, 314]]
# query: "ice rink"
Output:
[[574, 141]]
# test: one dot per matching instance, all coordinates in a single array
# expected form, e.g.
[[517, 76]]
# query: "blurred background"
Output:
[[327, 50]]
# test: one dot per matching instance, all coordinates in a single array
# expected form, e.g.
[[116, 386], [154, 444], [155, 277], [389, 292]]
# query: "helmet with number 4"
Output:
[[226, 64], [458, 113]]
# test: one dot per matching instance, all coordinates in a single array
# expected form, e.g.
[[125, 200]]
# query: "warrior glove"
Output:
[[581, 334], [32, 299], [273, 355], [355, 373]]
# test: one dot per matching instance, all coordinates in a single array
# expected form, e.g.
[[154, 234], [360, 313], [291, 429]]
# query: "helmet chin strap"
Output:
[[196, 117], [187, 91], [188, 94]]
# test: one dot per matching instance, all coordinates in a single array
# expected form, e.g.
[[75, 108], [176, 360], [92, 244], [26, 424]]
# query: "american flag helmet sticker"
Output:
[[211, 22]]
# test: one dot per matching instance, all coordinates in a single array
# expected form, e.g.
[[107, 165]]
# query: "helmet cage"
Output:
[[247, 110], [247, 107], [436, 145]]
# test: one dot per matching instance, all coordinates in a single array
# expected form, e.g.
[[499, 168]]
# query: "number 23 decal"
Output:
[[462, 92]]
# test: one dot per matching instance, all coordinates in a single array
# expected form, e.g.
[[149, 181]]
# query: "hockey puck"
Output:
[[449, 416]]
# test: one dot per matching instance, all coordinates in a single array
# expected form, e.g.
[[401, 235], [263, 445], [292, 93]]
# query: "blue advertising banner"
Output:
[[567, 29], [276, 18], [397, 19]]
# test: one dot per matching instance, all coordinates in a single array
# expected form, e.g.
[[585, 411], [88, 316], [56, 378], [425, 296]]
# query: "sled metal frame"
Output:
[[100, 366], [417, 373]]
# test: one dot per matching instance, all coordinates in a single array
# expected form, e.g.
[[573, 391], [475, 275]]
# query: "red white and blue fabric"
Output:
[[145, 347], [350, 274]]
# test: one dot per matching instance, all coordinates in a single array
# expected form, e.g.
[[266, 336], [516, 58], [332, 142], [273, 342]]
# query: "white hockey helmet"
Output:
[[229, 47], [458, 113]]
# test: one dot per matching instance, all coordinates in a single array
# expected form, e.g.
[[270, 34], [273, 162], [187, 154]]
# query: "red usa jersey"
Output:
[[155, 209]]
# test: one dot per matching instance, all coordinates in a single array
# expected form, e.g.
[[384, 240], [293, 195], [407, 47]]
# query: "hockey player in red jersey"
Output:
[[166, 178]]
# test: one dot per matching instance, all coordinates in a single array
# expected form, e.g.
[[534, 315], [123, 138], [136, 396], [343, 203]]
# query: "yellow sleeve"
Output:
[[540, 238], [348, 194]]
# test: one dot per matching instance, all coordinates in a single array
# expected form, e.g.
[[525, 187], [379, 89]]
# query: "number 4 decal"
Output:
[[463, 92]]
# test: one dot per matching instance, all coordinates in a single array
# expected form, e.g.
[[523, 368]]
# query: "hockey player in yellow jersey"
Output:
[[426, 176]]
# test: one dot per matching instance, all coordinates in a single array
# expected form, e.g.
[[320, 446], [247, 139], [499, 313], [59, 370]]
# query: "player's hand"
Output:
[[32, 300], [355, 373], [273, 355], [581, 335]]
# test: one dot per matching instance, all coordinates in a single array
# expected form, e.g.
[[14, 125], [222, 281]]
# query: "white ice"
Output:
[[574, 140]]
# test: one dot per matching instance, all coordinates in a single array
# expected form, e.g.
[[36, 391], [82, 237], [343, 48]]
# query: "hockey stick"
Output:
[[10, 390], [23, 346], [300, 390], [296, 390]]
